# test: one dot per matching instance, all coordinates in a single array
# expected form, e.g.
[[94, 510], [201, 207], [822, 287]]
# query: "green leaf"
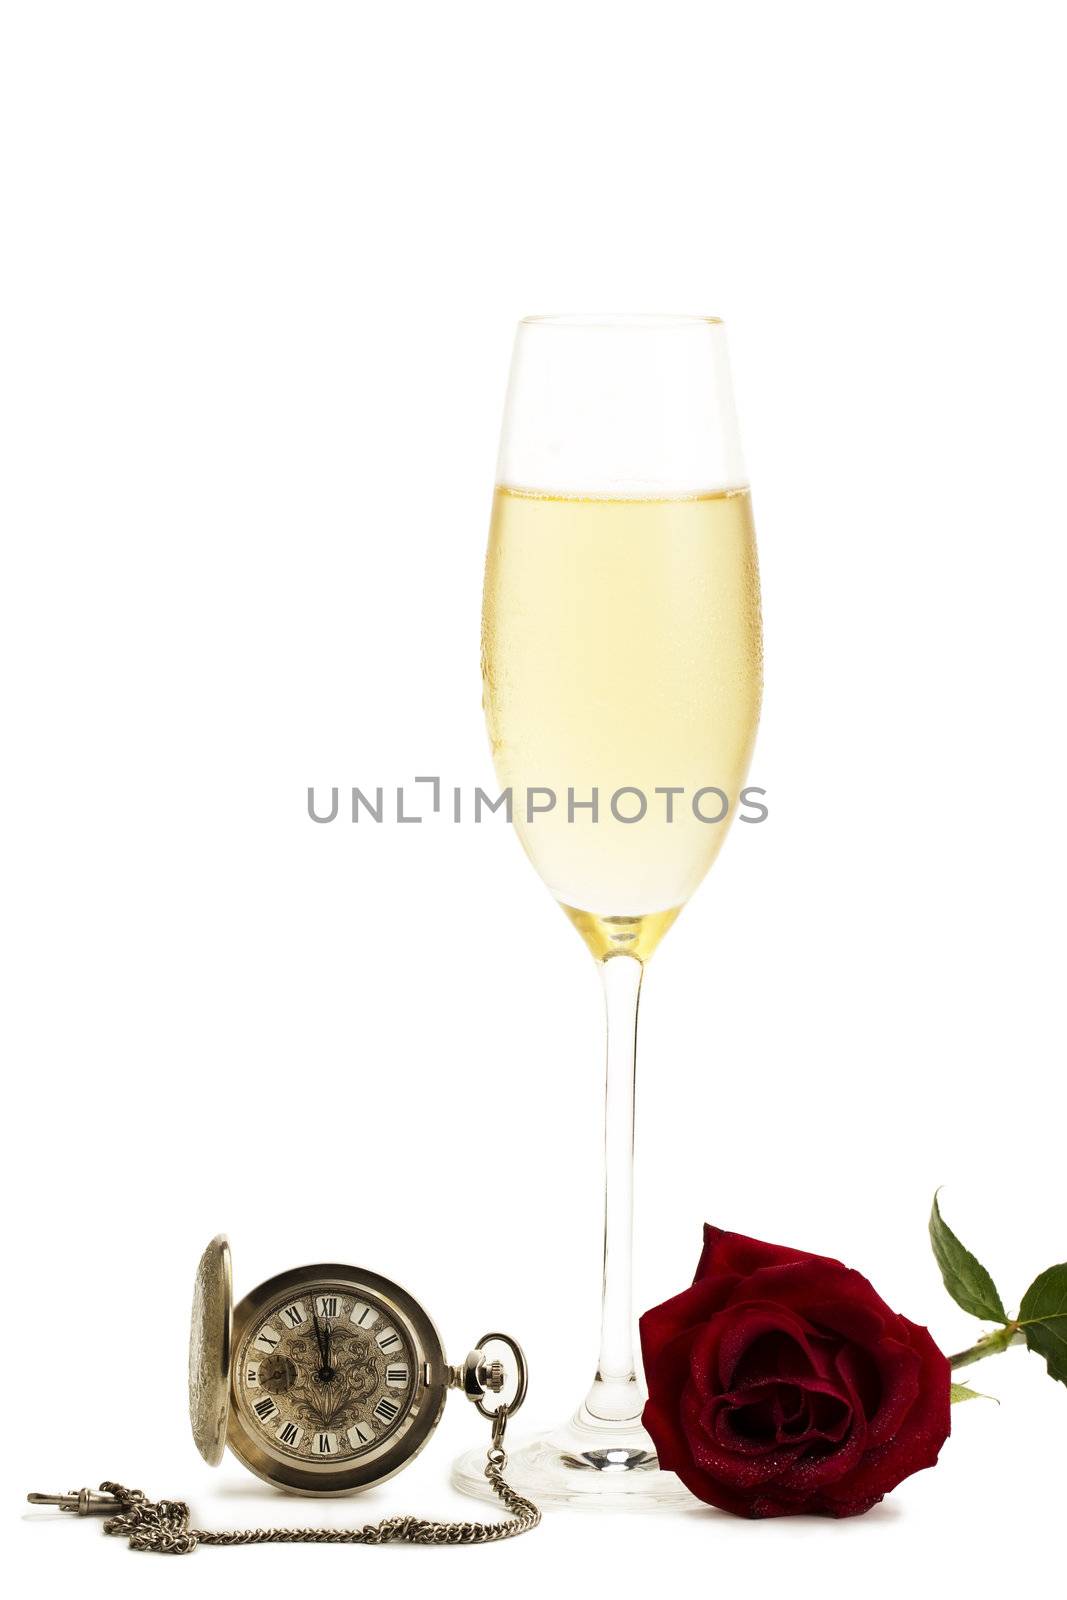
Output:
[[1043, 1319], [963, 1391], [966, 1280]]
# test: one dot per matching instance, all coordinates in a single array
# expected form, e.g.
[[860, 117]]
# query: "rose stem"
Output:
[[990, 1344]]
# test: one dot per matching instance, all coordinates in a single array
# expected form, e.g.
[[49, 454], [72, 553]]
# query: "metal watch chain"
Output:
[[163, 1525]]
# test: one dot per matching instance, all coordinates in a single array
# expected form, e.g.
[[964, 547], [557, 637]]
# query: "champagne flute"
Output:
[[622, 667]]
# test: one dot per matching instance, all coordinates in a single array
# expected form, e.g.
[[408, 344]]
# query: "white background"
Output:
[[262, 268]]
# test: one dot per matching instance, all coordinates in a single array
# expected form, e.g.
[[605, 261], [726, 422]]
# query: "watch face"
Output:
[[338, 1378]]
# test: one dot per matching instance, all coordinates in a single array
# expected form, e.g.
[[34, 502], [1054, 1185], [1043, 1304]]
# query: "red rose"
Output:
[[781, 1383]]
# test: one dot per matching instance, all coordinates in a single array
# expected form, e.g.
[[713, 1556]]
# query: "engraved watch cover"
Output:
[[210, 1338]]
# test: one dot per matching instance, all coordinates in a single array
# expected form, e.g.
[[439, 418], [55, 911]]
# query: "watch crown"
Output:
[[477, 1376], [493, 1376]]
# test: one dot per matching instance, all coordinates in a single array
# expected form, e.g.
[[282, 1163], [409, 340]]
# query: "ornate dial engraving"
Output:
[[324, 1376]]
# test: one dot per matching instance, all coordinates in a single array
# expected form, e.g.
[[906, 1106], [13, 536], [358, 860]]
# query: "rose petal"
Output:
[[722, 1417], [663, 1425], [822, 1415], [824, 1293], [690, 1309], [736, 1254], [719, 1348], [917, 1443], [819, 1466], [667, 1332], [712, 1492], [738, 1471], [891, 1372]]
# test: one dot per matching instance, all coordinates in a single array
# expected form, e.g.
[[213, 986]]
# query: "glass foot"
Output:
[[604, 1466]]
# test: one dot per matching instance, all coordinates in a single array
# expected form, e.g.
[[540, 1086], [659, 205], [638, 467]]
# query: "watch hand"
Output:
[[322, 1337], [318, 1338]]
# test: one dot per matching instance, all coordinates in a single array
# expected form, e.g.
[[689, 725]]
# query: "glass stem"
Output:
[[616, 1394]]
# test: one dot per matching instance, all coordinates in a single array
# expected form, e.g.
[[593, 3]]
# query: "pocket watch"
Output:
[[323, 1381], [326, 1379]]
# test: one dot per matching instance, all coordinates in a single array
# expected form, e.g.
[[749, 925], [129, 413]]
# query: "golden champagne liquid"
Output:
[[622, 648]]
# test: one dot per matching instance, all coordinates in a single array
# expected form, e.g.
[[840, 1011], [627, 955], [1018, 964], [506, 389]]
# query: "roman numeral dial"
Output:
[[326, 1375]]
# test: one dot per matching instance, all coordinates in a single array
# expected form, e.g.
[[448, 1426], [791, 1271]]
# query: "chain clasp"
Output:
[[80, 1502]]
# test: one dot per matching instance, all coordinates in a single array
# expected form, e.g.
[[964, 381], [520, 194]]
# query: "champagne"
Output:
[[621, 651]]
